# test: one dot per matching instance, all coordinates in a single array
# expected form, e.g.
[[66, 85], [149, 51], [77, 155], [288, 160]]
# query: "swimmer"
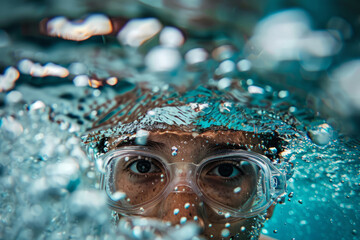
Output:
[[189, 160]]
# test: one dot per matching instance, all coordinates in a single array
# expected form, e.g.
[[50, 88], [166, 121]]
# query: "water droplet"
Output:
[[195, 56], [242, 229], [273, 150], [196, 218], [244, 65], [225, 232], [138, 31], [171, 37], [161, 59], [224, 83], [141, 137], [117, 196], [176, 211], [237, 189], [210, 225], [283, 94], [225, 67], [227, 225], [187, 205], [174, 151], [227, 215], [320, 134], [183, 220]]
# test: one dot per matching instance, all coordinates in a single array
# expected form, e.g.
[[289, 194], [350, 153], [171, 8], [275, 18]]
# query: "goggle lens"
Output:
[[135, 179], [232, 182]]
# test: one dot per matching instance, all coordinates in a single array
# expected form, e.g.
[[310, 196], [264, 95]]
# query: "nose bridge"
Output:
[[183, 203], [181, 206], [183, 175]]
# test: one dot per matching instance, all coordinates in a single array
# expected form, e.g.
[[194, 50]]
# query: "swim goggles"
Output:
[[237, 182]]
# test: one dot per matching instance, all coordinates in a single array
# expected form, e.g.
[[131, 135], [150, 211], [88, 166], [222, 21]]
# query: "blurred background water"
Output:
[[59, 57]]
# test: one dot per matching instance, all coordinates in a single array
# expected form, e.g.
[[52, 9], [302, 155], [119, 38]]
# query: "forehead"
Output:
[[193, 147]]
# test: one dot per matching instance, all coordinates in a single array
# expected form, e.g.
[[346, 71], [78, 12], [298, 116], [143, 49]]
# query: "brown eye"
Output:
[[143, 166], [226, 170]]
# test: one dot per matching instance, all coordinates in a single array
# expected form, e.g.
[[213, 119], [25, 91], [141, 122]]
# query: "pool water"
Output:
[[294, 73]]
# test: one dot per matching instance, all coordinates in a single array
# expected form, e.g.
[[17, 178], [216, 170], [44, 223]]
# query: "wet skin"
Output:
[[193, 148]]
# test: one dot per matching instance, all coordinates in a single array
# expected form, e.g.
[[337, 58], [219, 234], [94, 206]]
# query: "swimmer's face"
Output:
[[193, 148]]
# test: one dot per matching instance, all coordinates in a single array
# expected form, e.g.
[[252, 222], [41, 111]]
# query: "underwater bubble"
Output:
[[63, 174], [112, 81], [283, 94], [292, 109], [8, 79], [242, 229], [36, 70], [244, 65], [117, 196], [141, 137], [255, 90], [161, 59], [174, 151], [176, 211], [227, 215], [225, 67], [12, 126], [237, 189], [224, 83], [210, 225], [196, 55], [227, 225], [187, 231], [321, 134], [195, 217], [138, 31], [171, 37], [187, 205], [223, 52], [95, 24], [183, 220], [137, 232], [88, 204], [346, 79], [273, 150], [225, 232], [14, 97], [37, 105]]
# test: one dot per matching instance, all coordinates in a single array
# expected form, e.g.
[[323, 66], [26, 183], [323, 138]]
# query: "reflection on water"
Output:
[[62, 66]]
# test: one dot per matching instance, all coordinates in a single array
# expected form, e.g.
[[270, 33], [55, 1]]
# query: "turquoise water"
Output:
[[281, 69]]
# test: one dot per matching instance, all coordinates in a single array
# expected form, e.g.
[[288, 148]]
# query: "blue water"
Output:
[[291, 70]]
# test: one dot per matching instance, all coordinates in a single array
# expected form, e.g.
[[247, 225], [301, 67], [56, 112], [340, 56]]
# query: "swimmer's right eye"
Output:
[[143, 166]]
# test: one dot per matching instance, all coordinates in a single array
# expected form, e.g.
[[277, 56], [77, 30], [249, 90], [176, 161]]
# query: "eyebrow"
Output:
[[215, 147], [149, 143]]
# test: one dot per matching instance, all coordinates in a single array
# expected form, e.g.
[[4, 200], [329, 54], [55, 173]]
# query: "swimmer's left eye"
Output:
[[225, 170]]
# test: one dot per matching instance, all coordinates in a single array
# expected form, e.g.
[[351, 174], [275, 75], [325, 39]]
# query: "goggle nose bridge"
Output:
[[183, 174]]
